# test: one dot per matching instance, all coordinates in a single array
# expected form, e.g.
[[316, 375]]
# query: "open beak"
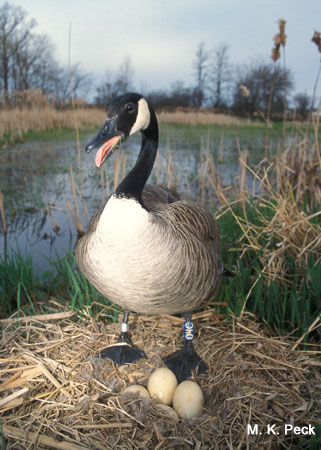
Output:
[[105, 142]]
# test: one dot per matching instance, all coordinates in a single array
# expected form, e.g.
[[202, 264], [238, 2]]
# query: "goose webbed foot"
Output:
[[185, 361], [124, 351]]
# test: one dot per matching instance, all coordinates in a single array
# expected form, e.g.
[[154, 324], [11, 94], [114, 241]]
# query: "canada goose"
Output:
[[147, 250]]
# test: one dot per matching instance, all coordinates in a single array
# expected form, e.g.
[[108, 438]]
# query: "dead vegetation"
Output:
[[299, 166], [31, 110], [15, 122], [287, 229], [283, 194], [202, 117], [55, 393]]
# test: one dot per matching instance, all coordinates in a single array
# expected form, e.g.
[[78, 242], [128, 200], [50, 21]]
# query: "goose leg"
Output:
[[186, 360], [124, 351]]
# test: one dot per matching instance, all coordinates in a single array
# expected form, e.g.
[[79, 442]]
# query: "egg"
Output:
[[188, 400], [161, 385], [166, 410], [136, 389]]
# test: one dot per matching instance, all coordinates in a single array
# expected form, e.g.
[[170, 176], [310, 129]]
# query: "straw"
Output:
[[66, 397]]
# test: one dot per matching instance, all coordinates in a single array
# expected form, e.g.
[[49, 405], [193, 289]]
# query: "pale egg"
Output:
[[161, 385], [136, 389], [167, 411], [188, 400]]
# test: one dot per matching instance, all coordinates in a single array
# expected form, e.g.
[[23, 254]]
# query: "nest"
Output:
[[55, 393]]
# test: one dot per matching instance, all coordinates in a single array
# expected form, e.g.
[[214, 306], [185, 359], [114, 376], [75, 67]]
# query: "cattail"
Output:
[[244, 90], [276, 53], [276, 50], [316, 38], [282, 23], [279, 39]]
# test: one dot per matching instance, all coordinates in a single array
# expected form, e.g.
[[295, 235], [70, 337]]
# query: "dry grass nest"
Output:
[[55, 393]]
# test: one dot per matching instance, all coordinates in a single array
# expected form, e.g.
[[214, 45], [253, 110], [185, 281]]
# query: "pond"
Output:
[[39, 195]]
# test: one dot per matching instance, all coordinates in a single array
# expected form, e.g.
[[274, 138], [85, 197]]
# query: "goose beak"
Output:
[[105, 142]]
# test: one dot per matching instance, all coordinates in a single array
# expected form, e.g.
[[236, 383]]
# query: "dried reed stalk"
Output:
[[3, 219], [16, 121], [74, 110], [293, 229], [243, 185], [75, 216], [250, 371], [314, 325], [83, 203], [78, 226], [118, 167], [220, 160], [192, 117], [299, 167], [39, 439], [39, 317], [11, 397], [213, 176]]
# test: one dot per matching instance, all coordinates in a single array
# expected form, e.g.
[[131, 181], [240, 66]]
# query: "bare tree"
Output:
[[302, 103], [265, 85], [115, 84], [34, 64], [124, 77], [27, 60], [200, 68], [63, 79], [159, 98], [14, 34], [180, 95], [219, 76], [106, 91]]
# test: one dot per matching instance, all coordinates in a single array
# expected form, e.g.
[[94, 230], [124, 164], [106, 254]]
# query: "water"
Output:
[[36, 184]]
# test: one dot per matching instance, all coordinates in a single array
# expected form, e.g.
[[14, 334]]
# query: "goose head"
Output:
[[126, 115]]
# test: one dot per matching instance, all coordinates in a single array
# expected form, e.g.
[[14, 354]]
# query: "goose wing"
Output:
[[158, 194], [182, 215], [189, 217]]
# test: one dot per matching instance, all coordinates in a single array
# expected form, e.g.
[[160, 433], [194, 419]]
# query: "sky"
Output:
[[161, 36]]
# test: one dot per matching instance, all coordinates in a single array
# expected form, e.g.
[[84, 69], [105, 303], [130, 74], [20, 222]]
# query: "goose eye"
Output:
[[129, 107]]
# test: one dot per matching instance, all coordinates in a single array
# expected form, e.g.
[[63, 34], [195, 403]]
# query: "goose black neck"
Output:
[[133, 184]]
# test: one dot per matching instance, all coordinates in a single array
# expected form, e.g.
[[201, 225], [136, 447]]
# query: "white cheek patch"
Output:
[[143, 117]]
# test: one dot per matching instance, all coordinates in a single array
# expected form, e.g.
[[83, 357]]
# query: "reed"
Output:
[[16, 122], [119, 168], [3, 219], [269, 281], [55, 392], [203, 117], [316, 39], [31, 111]]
